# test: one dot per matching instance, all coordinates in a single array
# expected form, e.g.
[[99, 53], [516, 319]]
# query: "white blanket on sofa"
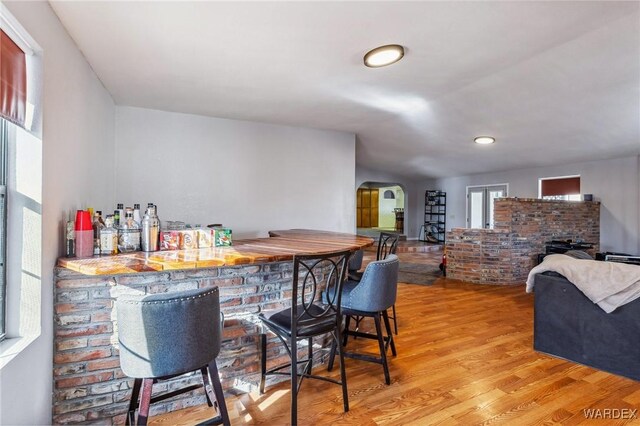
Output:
[[608, 284]]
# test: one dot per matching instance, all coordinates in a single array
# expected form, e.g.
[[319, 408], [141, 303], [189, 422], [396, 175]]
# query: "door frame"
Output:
[[467, 216]]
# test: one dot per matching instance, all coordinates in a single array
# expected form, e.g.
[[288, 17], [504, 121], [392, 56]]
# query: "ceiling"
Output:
[[553, 82]]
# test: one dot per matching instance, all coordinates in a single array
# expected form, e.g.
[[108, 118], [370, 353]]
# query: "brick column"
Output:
[[506, 254]]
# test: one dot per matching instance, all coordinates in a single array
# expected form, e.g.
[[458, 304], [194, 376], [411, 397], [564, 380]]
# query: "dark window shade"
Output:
[[13, 81], [561, 186]]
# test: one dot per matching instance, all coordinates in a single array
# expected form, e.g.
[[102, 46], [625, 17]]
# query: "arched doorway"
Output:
[[380, 207]]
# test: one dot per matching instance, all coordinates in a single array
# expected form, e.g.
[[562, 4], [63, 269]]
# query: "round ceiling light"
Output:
[[484, 140], [383, 55]]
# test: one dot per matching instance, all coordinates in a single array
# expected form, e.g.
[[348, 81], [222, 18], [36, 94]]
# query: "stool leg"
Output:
[[310, 353], [383, 352], [133, 403], [347, 322], [395, 318], [219, 394], [294, 382], [207, 386], [385, 316], [263, 361], [332, 355], [145, 402], [343, 373]]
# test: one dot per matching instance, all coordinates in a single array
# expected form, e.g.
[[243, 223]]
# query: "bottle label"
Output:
[[128, 240], [109, 243]]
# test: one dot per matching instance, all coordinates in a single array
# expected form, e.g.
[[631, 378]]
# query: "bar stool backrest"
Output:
[[167, 334], [317, 274], [355, 261], [387, 244], [377, 289]]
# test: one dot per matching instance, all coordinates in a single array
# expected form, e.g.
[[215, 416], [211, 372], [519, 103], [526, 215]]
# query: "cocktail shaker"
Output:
[[150, 230]]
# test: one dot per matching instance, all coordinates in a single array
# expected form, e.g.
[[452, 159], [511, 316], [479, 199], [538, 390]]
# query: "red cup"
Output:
[[83, 221]]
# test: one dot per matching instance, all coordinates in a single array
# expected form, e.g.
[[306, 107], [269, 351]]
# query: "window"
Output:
[[561, 188], [480, 204], [20, 187], [3, 223]]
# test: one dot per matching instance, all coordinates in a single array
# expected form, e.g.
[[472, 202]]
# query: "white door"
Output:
[[480, 204]]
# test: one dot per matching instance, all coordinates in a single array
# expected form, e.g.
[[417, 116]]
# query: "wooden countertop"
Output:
[[280, 247]]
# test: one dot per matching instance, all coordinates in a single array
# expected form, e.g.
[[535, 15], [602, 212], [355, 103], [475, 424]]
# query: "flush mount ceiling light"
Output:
[[383, 55], [484, 140]]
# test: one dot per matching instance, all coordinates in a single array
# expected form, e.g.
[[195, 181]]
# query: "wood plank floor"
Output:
[[465, 357]]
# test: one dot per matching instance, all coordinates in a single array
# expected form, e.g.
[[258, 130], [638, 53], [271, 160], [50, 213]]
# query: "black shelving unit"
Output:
[[435, 217]]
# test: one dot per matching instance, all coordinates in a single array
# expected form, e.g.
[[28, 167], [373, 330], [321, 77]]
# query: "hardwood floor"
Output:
[[465, 357]]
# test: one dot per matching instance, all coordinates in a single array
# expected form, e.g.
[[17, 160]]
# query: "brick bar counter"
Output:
[[253, 276], [505, 255]]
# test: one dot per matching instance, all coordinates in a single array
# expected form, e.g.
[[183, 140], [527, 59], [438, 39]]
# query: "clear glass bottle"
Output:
[[97, 228], [70, 238], [128, 233], [136, 213], [120, 208], [109, 237]]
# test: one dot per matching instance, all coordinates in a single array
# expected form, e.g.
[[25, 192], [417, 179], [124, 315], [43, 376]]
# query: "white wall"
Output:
[[78, 164], [248, 176], [613, 182]]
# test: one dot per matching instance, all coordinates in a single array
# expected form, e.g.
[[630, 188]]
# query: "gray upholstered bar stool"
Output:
[[371, 297], [166, 335], [387, 245]]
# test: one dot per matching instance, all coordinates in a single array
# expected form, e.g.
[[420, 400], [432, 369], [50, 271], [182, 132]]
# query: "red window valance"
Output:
[[13, 81], [561, 186]]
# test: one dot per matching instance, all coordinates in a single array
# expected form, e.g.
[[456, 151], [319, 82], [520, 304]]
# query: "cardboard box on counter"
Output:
[[222, 237]]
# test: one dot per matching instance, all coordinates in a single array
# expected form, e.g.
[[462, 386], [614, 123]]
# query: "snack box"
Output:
[[169, 240], [222, 237], [205, 238], [188, 239]]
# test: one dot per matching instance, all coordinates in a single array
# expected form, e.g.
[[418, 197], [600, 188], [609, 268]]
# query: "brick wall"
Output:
[[506, 254], [89, 386]]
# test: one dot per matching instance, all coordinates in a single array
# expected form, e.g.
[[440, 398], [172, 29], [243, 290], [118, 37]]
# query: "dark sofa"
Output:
[[569, 325]]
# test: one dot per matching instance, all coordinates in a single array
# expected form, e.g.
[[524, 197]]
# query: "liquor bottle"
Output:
[[97, 228], [136, 213], [128, 233], [109, 237], [70, 238], [116, 218], [120, 209]]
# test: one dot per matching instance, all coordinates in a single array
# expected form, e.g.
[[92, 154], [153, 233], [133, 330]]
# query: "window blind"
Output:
[[561, 186], [13, 81]]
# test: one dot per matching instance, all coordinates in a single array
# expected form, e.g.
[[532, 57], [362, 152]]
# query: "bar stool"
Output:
[[166, 335], [355, 263], [371, 297], [309, 316], [387, 245]]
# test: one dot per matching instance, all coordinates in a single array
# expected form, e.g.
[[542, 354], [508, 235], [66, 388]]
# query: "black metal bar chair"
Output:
[[166, 335], [309, 316], [371, 297]]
